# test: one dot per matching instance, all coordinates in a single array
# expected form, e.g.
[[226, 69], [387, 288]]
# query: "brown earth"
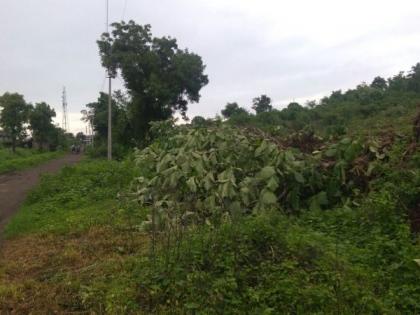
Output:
[[15, 186]]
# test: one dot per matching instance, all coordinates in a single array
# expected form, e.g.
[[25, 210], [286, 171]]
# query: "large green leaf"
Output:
[[192, 184], [268, 198], [331, 152], [299, 178], [272, 183], [266, 173], [259, 151]]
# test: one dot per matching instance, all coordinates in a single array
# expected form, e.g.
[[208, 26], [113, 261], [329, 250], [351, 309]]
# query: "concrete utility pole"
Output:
[[109, 120], [109, 94], [65, 124]]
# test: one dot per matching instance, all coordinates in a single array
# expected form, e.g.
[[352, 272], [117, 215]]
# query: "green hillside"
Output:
[[385, 103]]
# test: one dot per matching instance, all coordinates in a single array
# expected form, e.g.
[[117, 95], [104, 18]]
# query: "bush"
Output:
[[271, 264], [119, 152], [201, 175]]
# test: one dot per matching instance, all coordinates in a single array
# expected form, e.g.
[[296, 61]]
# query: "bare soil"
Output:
[[15, 186]]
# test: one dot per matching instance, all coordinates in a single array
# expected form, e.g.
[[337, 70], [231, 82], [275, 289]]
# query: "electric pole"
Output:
[[109, 119], [64, 104], [109, 93]]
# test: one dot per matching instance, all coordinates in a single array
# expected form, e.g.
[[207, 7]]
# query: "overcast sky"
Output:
[[287, 49]]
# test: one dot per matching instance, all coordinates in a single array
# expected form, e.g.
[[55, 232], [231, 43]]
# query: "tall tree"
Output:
[[232, 109], [398, 82], [13, 116], [41, 124], [262, 104], [379, 83], [414, 78], [160, 77]]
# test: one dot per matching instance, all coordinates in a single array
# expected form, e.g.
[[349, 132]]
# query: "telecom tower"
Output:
[[65, 125]]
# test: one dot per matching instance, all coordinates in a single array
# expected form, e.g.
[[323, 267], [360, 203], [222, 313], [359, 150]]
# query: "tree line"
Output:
[[18, 117], [333, 113]]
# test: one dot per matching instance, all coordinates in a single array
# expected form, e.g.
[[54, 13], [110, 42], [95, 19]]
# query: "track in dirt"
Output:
[[15, 186]]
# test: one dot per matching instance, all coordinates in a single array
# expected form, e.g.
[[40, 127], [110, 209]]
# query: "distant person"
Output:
[[73, 148]]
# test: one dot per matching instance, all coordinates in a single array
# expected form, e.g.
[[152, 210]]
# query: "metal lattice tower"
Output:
[[65, 125]]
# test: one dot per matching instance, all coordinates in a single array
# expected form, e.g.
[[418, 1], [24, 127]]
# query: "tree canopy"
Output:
[[160, 77], [13, 116], [379, 83], [232, 109], [97, 115], [40, 122], [262, 104]]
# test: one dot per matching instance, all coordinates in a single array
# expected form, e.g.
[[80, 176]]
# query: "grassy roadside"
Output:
[[67, 246], [78, 197], [77, 246], [24, 158]]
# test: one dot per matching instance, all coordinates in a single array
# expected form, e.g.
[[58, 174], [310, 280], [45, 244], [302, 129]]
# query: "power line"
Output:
[[107, 16], [124, 10]]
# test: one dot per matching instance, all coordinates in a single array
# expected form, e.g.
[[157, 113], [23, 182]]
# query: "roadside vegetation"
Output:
[[312, 209], [223, 220], [24, 158], [71, 201]]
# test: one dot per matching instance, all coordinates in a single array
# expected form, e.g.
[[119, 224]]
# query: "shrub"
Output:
[[203, 174], [270, 264]]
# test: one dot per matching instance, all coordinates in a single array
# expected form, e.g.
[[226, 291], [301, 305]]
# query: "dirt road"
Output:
[[15, 186]]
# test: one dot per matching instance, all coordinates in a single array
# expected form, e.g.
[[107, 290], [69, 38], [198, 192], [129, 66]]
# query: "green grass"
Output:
[[73, 200], [24, 158]]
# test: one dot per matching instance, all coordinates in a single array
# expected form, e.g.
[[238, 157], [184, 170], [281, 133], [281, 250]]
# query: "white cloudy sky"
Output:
[[287, 49]]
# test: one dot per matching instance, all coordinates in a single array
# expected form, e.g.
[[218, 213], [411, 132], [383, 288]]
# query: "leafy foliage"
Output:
[[350, 260], [262, 104], [364, 108], [13, 116], [97, 115], [160, 77], [232, 109], [40, 120], [205, 174], [17, 117]]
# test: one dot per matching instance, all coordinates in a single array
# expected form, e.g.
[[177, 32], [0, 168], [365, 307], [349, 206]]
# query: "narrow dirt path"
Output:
[[15, 186]]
